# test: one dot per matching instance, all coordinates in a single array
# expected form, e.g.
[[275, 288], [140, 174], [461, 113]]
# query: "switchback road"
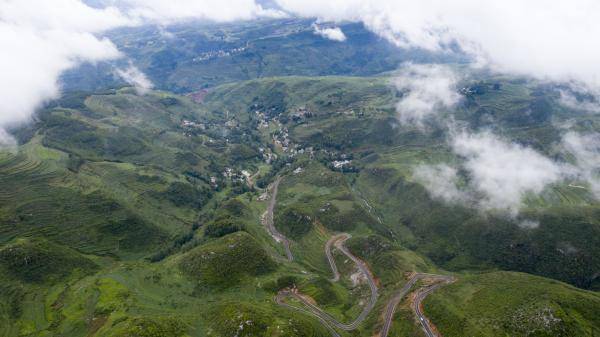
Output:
[[390, 308], [417, 307], [331, 323], [338, 242], [269, 223]]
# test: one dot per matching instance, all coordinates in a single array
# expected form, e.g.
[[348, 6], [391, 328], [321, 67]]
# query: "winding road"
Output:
[[269, 223], [330, 322], [338, 242], [279, 299], [330, 242], [390, 308], [418, 308]]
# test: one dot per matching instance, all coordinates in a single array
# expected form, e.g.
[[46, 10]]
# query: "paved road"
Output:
[[330, 322], [279, 300], [417, 308], [331, 242], [390, 308], [270, 224], [338, 241], [367, 273]]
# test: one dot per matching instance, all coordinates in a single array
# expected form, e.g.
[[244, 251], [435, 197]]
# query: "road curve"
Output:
[[279, 300], [331, 242], [269, 222], [390, 308], [370, 280], [338, 241], [331, 322], [417, 308]]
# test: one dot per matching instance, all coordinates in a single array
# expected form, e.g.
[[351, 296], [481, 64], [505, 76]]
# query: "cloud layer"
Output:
[[586, 150], [427, 88], [334, 34], [40, 39], [501, 173], [136, 78], [170, 11], [504, 172], [441, 181], [545, 39], [38, 45]]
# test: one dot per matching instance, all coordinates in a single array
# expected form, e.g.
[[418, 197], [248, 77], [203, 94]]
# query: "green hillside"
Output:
[[128, 215], [513, 304]]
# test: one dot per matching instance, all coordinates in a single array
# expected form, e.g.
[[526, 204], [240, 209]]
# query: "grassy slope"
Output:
[[267, 48], [120, 157], [419, 222], [513, 304], [355, 116]]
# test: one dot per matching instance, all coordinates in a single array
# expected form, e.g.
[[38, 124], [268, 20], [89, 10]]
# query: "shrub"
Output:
[[222, 227], [182, 194], [226, 261], [152, 327], [37, 261], [294, 221]]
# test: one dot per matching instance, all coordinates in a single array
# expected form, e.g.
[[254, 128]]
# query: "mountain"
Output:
[[268, 187], [188, 57]]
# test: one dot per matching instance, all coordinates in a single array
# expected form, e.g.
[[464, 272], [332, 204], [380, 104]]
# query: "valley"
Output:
[[270, 185]]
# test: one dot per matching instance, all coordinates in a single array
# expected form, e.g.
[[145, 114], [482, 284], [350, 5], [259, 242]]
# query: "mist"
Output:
[[428, 89], [586, 150], [41, 39], [544, 39], [334, 34], [136, 78]]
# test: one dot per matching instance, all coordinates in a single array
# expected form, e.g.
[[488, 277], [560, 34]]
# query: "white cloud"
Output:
[[569, 100], [429, 89], [441, 181], [40, 39], [334, 34], [169, 11], [528, 224], [7, 141], [136, 78], [64, 15], [586, 150], [547, 39], [501, 173], [504, 172]]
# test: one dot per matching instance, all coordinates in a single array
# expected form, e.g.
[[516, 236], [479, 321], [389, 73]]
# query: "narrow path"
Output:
[[269, 223], [390, 308], [250, 180]]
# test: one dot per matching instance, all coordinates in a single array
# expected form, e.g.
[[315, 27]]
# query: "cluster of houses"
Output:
[[189, 127], [267, 155], [235, 176], [213, 54]]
